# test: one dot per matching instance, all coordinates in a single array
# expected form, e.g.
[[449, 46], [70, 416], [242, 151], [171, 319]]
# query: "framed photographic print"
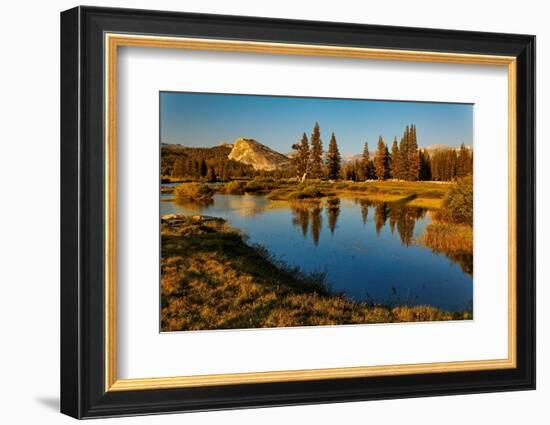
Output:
[[261, 212]]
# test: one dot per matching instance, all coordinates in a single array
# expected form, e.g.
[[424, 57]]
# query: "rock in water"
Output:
[[260, 157]]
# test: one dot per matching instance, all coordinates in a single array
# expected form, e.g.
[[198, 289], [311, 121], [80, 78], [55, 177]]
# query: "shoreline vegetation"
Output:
[[212, 279], [418, 194]]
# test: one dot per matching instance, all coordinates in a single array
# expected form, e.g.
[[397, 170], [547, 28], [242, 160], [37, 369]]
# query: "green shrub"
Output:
[[458, 205], [193, 192], [260, 184], [234, 187], [309, 192]]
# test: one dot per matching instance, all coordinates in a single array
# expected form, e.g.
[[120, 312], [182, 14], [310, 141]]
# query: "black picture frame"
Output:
[[82, 218]]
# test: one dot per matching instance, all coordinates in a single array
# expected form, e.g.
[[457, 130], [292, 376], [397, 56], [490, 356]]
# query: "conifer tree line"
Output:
[[202, 164], [403, 161]]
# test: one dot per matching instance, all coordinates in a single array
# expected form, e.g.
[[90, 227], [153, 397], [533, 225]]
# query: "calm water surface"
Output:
[[367, 250]]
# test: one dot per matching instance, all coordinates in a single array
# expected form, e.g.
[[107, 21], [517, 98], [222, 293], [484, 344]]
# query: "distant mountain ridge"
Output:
[[351, 158], [441, 146], [259, 156]]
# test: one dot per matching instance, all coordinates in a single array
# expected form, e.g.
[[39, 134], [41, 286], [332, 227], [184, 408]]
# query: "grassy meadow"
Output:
[[213, 279]]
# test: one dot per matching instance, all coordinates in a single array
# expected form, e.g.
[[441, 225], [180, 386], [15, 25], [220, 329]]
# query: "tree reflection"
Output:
[[381, 213], [316, 223], [306, 216], [333, 211], [364, 204], [300, 217], [195, 205]]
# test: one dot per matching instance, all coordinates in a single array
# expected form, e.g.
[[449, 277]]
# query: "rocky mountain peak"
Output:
[[259, 156]]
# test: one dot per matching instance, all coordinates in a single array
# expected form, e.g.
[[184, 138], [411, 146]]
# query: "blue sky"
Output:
[[204, 120]]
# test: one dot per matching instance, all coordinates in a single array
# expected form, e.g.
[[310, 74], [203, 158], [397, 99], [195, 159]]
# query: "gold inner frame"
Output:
[[113, 41]]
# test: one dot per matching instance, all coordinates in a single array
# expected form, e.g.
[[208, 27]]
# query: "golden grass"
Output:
[[417, 194], [193, 192], [212, 279], [449, 237], [428, 203], [456, 241], [379, 197]]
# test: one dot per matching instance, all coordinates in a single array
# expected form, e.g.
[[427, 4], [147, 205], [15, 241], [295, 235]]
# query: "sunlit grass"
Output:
[[449, 237], [429, 203], [456, 241], [193, 192], [212, 279], [417, 194]]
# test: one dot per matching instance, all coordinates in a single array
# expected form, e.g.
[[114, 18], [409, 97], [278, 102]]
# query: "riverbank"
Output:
[[212, 279], [423, 194]]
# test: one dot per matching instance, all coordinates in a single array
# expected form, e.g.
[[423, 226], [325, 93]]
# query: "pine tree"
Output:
[[301, 157], [382, 160], [203, 169], [316, 153], [211, 175], [365, 172], [425, 172], [333, 159], [371, 171], [180, 168], [413, 161], [196, 169], [404, 155], [464, 162], [395, 160], [444, 165]]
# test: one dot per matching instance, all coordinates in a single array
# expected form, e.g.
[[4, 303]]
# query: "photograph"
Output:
[[283, 211], [286, 210]]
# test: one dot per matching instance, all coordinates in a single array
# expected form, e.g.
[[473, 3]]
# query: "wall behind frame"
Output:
[[29, 219]]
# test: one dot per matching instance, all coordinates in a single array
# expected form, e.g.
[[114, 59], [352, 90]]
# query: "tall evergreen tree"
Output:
[[404, 155], [413, 161], [211, 175], [395, 164], [301, 157], [316, 153], [180, 168], [425, 172], [365, 168], [443, 164], [409, 162], [333, 159], [464, 162], [382, 160], [203, 169]]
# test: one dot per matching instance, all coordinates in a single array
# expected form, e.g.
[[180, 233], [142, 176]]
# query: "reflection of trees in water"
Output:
[[464, 259], [300, 218], [381, 212], [308, 216], [195, 205], [405, 227], [364, 204], [404, 218], [397, 214], [333, 211], [316, 223], [306, 213]]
